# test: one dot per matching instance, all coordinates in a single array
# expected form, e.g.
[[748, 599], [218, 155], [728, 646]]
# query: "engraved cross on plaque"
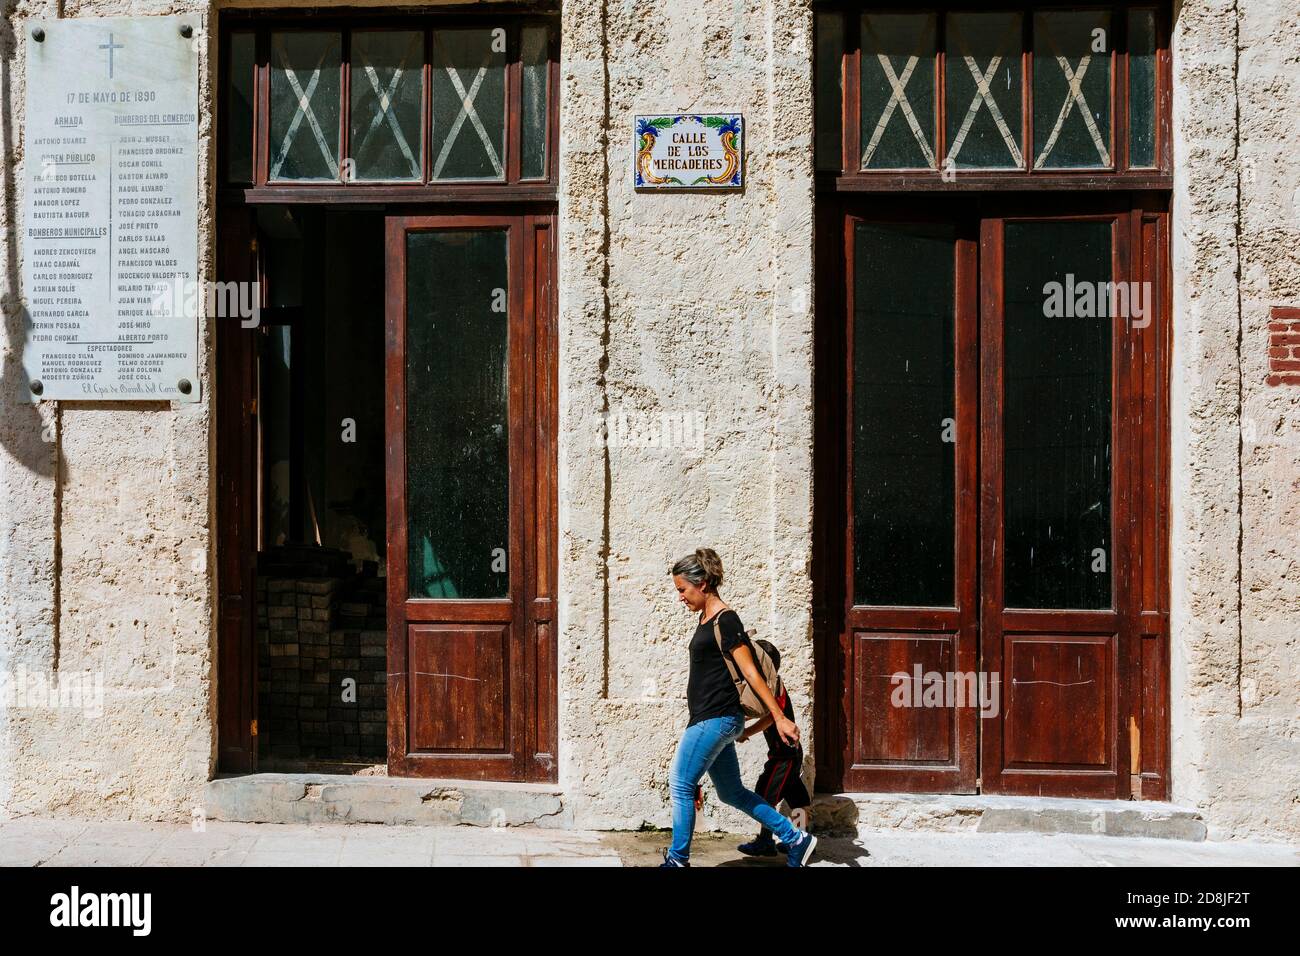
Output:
[[110, 46]]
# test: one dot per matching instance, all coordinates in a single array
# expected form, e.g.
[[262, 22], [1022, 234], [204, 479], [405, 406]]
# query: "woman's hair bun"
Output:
[[703, 568], [712, 565]]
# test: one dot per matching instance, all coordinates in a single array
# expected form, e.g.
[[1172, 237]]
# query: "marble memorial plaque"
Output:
[[109, 238]]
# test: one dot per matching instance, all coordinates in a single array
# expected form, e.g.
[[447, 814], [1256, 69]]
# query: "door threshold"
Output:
[[995, 813], [314, 798]]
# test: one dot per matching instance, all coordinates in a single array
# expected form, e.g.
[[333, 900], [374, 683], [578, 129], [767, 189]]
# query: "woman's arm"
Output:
[[785, 727], [757, 727]]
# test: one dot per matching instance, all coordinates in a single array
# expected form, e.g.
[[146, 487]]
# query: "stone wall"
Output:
[[676, 304], [1235, 506]]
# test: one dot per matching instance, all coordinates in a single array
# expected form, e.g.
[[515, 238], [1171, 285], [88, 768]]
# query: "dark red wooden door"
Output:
[[471, 497], [990, 489], [908, 595], [1057, 438]]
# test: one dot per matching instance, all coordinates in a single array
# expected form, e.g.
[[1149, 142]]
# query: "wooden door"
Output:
[[907, 595], [991, 497], [1056, 442], [471, 497]]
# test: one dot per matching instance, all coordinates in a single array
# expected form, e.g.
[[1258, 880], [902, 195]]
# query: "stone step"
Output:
[[403, 801], [394, 801], [987, 813]]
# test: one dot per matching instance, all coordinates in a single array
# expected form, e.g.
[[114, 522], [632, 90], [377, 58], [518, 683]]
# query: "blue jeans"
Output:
[[710, 745]]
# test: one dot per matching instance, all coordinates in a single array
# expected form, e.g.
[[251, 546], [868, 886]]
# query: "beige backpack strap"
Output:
[[717, 636]]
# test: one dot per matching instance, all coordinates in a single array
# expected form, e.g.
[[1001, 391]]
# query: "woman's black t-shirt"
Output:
[[709, 688]]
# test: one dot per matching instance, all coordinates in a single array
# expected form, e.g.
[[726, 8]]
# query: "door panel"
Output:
[[470, 552], [1053, 570], [459, 674], [909, 605]]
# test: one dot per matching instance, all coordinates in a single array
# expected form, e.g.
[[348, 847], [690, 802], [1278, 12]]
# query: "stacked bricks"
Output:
[[320, 624], [359, 645], [1284, 346]]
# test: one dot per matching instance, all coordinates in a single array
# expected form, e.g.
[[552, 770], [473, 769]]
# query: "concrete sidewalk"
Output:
[[29, 841]]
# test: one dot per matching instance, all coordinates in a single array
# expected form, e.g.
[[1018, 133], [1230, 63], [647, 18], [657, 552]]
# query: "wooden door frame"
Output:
[[235, 424], [1141, 447], [533, 558]]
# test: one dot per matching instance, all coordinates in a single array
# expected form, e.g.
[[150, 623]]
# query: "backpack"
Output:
[[750, 702]]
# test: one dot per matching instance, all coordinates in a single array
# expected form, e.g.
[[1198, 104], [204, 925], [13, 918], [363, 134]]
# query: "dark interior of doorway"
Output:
[[320, 596]]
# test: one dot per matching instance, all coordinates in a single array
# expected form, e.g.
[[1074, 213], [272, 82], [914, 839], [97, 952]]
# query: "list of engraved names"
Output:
[[110, 229]]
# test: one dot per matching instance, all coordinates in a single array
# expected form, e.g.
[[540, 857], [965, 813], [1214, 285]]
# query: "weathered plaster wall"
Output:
[[694, 306], [104, 547], [1236, 442], [679, 305]]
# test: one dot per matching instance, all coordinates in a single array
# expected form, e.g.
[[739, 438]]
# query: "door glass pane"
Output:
[[469, 115], [386, 88], [830, 91], [903, 416], [535, 65], [898, 53], [1142, 88], [983, 82], [305, 105], [457, 414], [239, 109], [1072, 55], [1057, 419]]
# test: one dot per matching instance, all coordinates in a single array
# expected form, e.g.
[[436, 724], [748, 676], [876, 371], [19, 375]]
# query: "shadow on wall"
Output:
[[21, 436]]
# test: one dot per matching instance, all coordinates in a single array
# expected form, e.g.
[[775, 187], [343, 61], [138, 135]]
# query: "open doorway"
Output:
[[321, 564], [385, 439]]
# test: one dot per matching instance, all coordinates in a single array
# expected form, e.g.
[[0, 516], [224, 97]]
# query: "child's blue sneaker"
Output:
[[801, 852], [762, 845], [670, 862]]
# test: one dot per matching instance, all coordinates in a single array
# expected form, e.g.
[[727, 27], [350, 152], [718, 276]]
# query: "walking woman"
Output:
[[716, 717]]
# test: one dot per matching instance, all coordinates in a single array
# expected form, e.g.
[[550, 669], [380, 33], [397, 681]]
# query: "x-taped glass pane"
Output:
[[1142, 88], [830, 91], [469, 116], [1056, 424], [386, 88], [898, 53], [535, 58], [1072, 56], [903, 416], [305, 98], [983, 88], [239, 109], [457, 414]]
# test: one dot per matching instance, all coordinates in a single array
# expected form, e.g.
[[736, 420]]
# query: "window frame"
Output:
[[1121, 176], [347, 21]]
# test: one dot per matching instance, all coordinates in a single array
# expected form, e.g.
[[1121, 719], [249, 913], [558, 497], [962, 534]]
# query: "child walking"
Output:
[[780, 779]]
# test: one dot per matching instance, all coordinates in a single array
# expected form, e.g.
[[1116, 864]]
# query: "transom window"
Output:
[[403, 100], [1016, 91]]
